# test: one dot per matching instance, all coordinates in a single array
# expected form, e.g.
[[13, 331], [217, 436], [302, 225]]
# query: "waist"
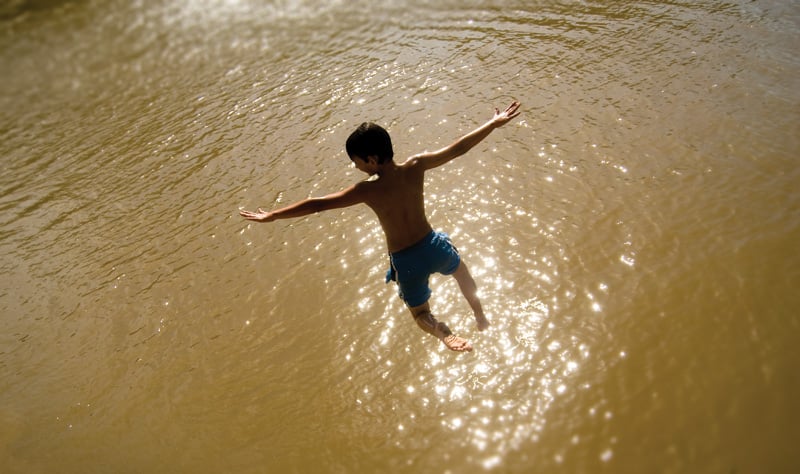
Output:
[[416, 245]]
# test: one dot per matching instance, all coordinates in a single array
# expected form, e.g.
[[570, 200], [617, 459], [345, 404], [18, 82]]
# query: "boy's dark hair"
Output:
[[370, 139]]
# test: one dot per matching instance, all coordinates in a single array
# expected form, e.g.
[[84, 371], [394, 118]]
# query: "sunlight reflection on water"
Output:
[[499, 397], [176, 113]]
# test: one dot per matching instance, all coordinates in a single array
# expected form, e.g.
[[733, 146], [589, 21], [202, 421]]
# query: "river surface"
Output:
[[634, 235]]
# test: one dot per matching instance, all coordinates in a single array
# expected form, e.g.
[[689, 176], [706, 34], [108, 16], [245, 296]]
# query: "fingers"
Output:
[[512, 108], [251, 215], [509, 113]]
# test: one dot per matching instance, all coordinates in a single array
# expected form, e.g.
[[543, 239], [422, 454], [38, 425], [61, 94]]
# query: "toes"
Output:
[[457, 344]]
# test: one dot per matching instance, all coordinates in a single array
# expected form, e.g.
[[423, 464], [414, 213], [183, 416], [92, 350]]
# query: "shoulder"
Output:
[[359, 189], [353, 194], [415, 162], [427, 159], [364, 190]]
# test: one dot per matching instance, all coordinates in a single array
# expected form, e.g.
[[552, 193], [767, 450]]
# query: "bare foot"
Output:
[[482, 322], [453, 342], [458, 344]]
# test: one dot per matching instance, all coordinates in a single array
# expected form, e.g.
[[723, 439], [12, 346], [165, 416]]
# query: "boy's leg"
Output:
[[470, 291], [425, 320]]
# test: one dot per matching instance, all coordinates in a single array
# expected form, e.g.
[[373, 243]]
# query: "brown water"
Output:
[[634, 235]]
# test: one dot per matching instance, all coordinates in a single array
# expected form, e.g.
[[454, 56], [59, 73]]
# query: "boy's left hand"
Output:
[[511, 111], [259, 216]]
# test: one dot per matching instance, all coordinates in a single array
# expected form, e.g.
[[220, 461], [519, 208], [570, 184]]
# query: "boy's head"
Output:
[[370, 139]]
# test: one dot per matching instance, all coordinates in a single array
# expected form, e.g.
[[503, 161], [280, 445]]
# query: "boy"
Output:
[[415, 250]]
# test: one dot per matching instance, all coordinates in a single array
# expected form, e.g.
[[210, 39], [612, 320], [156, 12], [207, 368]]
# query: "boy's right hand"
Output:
[[259, 216], [511, 111]]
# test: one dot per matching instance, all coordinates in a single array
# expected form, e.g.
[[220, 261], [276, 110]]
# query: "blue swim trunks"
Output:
[[412, 266]]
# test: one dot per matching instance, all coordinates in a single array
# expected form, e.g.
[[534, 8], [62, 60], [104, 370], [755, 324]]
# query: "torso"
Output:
[[397, 198]]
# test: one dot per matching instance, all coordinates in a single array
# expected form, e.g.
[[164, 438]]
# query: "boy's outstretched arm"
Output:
[[344, 198], [464, 144]]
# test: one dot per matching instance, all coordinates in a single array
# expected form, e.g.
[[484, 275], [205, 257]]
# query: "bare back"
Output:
[[397, 197]]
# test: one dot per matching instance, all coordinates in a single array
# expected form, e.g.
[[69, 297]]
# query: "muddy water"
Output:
[[634, 235]]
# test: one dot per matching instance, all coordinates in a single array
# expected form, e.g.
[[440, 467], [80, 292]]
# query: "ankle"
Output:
[[442, 331], [427, 322]]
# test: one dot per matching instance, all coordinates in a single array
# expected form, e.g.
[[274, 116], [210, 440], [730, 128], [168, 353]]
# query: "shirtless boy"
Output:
[[396, 196]]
